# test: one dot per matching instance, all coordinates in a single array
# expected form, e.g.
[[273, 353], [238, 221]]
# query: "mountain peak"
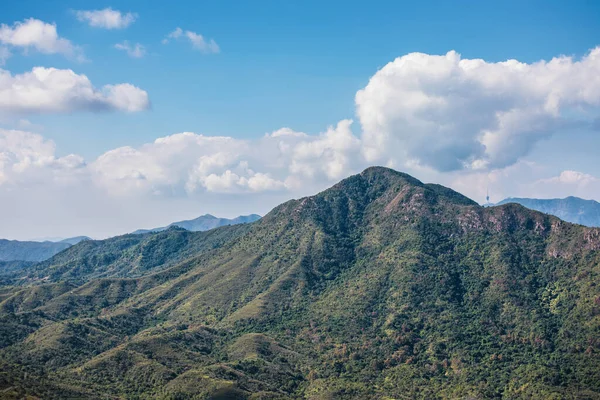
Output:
[[377, 170], [378, 173], [375, 193], [378, 180]]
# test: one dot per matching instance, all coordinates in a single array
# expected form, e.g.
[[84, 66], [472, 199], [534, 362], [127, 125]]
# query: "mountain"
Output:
[[14, 250], [129, 255], [75, 240], [571, 209], [204, 223], [379, 287]]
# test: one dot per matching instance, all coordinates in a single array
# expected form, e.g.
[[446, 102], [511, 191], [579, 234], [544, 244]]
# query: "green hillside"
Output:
[[124, 256], [380, 287]]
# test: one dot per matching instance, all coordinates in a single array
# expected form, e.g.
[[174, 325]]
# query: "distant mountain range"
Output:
[[204, 223], [15, 250], [571, 209], [35, 251]]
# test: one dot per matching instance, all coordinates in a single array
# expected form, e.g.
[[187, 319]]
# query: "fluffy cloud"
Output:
[[187, 163], [133, 51], [27, 158], [46, 90], [333, 153], [40, 36], [198, 41], [231, 182], [572, 178], [450, 113], [106, 18]]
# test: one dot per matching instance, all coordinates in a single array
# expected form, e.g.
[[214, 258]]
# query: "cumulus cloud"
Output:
[[133, 51], [47, 90], [197, 41], [187, 163], [27, 158], [451, 113], [40, 36], [332, 153], [106, 18]]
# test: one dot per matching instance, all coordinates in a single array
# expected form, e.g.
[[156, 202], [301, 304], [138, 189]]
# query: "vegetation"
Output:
[[124, 256], [380, 287]]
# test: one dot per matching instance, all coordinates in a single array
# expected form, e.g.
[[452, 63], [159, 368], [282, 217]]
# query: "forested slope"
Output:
[[379, 287]]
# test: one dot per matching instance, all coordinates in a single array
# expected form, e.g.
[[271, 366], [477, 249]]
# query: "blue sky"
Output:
[[294, 64]]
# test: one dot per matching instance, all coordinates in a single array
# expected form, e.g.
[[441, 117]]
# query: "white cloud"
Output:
[[106, 18], [331, 153], [572, 178], [40, 36], [230, 182], [176, 34], [27, 158], [450, 113], [187, 163], [282, 132], [133, 51], [197, 41], [47, 90]]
